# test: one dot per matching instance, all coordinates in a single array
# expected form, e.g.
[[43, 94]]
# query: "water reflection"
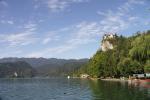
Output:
[[70, 89], [140, 83], [44, 89], [103, 90]]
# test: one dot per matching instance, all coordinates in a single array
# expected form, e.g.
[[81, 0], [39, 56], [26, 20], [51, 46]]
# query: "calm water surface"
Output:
[[70, 89]]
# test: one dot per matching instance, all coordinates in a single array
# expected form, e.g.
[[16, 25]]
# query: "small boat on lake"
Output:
[[68, 77], [15, 74]]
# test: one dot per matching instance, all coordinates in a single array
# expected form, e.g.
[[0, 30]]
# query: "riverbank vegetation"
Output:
[[130, 55]]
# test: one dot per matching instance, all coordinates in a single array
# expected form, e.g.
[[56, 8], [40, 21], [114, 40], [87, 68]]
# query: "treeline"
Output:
[[130, 55]]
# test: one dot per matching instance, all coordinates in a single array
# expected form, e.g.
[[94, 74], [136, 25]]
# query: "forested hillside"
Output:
[[18, 69], [129, 55], [45, 67], [61, 69]]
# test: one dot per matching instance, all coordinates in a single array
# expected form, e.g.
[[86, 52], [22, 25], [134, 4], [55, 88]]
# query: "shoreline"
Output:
[[115, 80], [106, 79]]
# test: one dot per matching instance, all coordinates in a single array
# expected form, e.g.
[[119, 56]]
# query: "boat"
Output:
[[145, 80], [15, 74], [68, 77]]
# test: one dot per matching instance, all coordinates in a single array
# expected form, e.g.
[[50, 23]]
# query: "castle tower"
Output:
[[106, 45]]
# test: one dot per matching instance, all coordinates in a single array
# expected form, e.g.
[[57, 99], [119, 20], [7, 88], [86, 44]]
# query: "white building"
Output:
[[15, 74], [106, 45], [109, 36], [84, 76]]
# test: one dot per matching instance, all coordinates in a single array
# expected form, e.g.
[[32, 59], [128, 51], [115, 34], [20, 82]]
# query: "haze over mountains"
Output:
[[29, 67]]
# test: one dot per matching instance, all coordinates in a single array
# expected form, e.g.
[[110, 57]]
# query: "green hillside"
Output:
[[18, 69], [129, 55]]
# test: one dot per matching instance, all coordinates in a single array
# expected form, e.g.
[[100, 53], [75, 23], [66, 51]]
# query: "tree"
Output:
[[141, 48], [128, 67], [128, 56], [147, 66]]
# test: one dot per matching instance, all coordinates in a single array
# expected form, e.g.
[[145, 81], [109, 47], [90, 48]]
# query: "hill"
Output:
[[120, 56], [16, 69], [61, 67], [49, 67]]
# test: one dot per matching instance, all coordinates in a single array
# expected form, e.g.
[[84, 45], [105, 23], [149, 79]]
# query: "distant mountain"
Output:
[[16, 69], [49, 67], [34, 62], [61, 67]]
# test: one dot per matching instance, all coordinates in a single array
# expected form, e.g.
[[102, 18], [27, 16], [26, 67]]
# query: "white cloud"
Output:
[[87, 32], [133, 18], [3, 3], [58, 5], [113, 24], [129, 5], [53, 51], [51, 36], [50, 51], [7, 22], [10, 22], [18, 39], [30, 27], [83, 33], [120, 19], [46, 40], [136, 1], [49, 39], [21, 38]]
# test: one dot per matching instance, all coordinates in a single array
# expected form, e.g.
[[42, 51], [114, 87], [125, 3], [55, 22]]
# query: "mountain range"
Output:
[[45, 67]]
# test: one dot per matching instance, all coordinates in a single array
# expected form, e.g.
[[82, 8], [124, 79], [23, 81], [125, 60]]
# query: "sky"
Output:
[[66, 28]]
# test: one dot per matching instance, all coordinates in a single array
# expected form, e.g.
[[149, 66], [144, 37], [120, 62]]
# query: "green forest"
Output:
[[130, 55]]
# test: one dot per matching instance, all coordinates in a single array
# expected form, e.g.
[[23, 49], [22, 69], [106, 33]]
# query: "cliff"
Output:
[[107, 43], [120, 56]]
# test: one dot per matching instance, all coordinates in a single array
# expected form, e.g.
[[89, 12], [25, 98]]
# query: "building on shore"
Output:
[[15, 74], [85, 76], [140, 76]]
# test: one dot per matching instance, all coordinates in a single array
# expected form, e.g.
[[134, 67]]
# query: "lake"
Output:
[[70, 89]]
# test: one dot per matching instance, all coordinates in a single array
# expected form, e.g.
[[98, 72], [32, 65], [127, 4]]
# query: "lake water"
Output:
[[70, 89]]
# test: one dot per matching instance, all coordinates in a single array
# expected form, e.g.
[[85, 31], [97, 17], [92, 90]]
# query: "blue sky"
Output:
[[66, 28]]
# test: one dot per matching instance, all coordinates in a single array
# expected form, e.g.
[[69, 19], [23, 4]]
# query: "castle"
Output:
[[106, 45]]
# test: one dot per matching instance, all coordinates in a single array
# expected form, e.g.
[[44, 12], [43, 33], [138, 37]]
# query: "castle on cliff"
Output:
[[106, 45]]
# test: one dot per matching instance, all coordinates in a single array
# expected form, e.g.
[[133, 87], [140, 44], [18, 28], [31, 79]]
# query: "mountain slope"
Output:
[[51, 66], [16, 69], [61, 68]]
